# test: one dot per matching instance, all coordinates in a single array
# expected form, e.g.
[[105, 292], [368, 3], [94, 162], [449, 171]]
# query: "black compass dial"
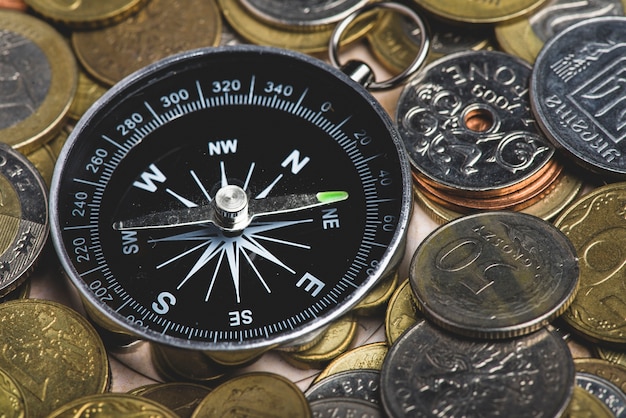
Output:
[[230, 198]]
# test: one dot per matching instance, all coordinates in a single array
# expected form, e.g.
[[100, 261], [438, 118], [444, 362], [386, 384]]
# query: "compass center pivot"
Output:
[[231, 208]]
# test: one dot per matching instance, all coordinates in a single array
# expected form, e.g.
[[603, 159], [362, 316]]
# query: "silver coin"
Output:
[[578, 95], [23, 218], [466, 122], [494, 274], [358, 384], [612, 396], [430, 372], [344, 408], [302, 12], [557, 15]]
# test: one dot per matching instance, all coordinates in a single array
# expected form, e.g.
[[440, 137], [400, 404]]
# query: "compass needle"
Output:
[[244, 237]]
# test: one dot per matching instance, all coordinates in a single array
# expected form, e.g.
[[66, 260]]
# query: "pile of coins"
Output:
[[510, 303]]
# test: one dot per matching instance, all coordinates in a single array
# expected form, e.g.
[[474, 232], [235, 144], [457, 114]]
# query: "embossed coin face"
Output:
[[465, 120], [494, 274], [53, 353], [302, 12], [111, 405], [607, 392], [577, 95], [356, 384], [430, 372], [525, 37], [161, 28], [12, 404], [596, 226], [86, 14], [38, 79], [480, 11], [254, 394], [341, 407], [23, 218]]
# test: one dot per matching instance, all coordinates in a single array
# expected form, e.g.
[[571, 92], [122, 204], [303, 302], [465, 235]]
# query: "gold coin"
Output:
[[401, 312], [335, 341], [182, 398], [526, 36], [610, 355], [174, 364], [38, 80], [585, 405], [23, 218], [112, 405], [88, 91], [161, 28], [596, 226], [254, 395], [53, 353], [367, 356], [44, 159], [376, 300], [308, 41], [479, 11], [236, 357], [12, 404], [80, 14], [396, 43], [611, 372], [56, 143]]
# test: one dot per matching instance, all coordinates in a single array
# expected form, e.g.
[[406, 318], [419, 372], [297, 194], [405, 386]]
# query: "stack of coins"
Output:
[[516, 117]]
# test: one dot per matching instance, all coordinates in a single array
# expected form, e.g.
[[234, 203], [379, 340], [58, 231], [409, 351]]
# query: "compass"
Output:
[[230, 198]]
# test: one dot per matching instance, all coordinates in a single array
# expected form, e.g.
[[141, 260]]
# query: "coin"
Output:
[[361, 384], [494, 274], [88, 91], [299, 13], [105, 405], [596, 227], [182, 398], [577, 97], [78, 14], [23, 218], [466, 123], [159, 29], [612, 372], [584, 404], [526, 36], [53, 353], [334, 341], [479, 11], [604, 390], [253, 394], [367, 356], [12, 403], [396, 42], [339, 407], [401, 312], [376, 300], [312, 41], [431, 372], [37, 78]]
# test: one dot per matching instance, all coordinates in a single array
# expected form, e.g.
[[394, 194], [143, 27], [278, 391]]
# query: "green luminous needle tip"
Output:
[[330, 197]]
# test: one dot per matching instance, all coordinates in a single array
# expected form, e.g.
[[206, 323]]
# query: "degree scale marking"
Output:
[[297, 109]]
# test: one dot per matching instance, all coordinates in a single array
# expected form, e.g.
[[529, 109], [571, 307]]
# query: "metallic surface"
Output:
[[86, 14], [110, 404], [494, 274], [596, 227], [53, 352], [604, 390], [526, 36], [38, 78], [299, 13], [160, 29], [479, 11], [361, 384], [430, 372], [465, 120], [577, 97], [24, 223]]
